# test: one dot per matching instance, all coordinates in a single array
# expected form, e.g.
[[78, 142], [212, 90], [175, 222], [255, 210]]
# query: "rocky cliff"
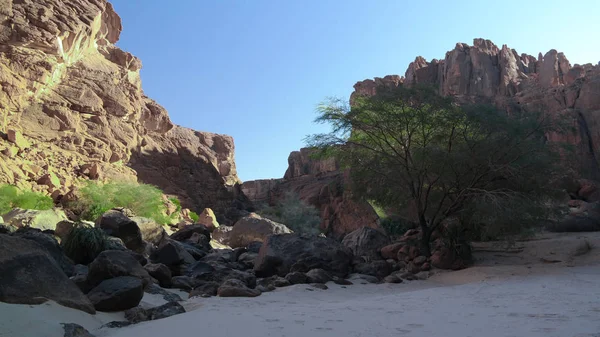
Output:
[[320, 183], [485, 73], [72, 107]]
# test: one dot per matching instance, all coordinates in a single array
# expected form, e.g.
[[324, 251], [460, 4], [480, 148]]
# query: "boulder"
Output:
[[31, 276], [117, 294], [280, 252], [254, 247], [318, 276], [366, 242], [50, 244], [43, 220], [116, 263], [378, 268], [80, 278], [273, 282], [139, 314], [205, 289], [117, 224], [160, 272], [172, 254], [363, 279], [63, 228], [247, 259], [151, 231], [208, 219], [392, 279], [221, 234], [75, 330], [391, 251], [254, 228], [185, 283], [187, 232], [296, 278], [236, 288]]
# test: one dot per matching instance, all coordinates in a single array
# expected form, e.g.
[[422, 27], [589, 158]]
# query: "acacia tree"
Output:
[[409, 147]]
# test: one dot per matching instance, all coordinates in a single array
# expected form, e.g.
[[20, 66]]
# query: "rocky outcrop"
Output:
[[67, 90], [253, 228], [321, 184], [486, 73]]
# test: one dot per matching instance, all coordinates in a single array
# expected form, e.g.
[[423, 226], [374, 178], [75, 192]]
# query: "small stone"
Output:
[[17, 138], [319, 286], [392, 279]]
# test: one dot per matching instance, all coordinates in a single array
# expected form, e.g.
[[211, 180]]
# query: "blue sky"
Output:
[[256, 69]]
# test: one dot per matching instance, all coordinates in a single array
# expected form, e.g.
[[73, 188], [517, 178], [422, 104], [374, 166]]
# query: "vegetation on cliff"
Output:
[[142, 199], [295, 213], [412, 150], [11, 197]]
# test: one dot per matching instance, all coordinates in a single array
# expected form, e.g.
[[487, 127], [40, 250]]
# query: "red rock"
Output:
[[391, 251]]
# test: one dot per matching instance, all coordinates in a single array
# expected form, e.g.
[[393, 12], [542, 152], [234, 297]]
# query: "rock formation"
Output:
[[320, 183], [72, 106], [484, 73]]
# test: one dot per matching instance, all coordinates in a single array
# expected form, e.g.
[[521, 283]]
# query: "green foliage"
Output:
[[144, 200], [85, 243], [393, 224], [177, 203], [409, 147], [296, 214], [11, 197], [194, 216]]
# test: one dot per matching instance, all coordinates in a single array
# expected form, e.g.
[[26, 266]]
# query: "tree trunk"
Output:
[[425, 241], [425, 236]]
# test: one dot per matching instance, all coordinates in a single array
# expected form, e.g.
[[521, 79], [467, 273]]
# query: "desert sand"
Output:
[[543, 287]]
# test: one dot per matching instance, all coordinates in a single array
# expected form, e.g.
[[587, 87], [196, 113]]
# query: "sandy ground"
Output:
[[543, 287]]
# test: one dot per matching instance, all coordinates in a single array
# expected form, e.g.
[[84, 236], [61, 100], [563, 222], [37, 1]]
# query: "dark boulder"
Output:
[[366, 242], [117, 294], [161, 273], [280, 252], [296, 278], [185, 283], [318, 276], [187, 232], [206, 289], [29, 275], [379, 268], [116, 263], [138, 314], [75, 330], [52, 246], [172, 254], [253, 228], [236, 288], [117, 224]]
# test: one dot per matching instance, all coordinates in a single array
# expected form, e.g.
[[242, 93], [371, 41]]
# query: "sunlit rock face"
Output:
[[485, 73], [78, 100]]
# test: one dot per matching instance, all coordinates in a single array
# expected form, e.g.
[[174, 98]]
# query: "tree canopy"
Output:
[[409, 147]]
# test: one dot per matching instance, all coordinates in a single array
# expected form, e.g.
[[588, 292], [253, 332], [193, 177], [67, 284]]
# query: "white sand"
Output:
[[560, 304], [544, 287]]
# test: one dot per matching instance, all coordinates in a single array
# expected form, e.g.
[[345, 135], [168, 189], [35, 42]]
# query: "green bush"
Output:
[[396, 226], [11, 197], [177, 204], [194, 216], [85, 243], [296, 214], [144, 200]]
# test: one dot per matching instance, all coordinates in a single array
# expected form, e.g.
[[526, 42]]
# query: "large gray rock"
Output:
[[151, 231], [43, 220], [173, 255], [115, 263], [50, 244], [117, 294], [161, 273], [279, 253], [138, 314], [253, 228], [366, 242], [29, 275], [117, 224]]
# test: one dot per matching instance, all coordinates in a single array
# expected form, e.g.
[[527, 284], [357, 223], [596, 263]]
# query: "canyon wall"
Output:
[[72, 107]]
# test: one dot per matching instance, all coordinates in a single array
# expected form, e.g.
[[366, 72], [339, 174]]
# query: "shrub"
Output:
[[296, 214], [144, 200], [85, 243], [194, 216], [393, 225], [11, 197], [177, 204]]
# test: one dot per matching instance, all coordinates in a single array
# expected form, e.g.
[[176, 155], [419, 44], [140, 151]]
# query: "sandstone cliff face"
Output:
[[320, 183], [75, 102], [485, 73]]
